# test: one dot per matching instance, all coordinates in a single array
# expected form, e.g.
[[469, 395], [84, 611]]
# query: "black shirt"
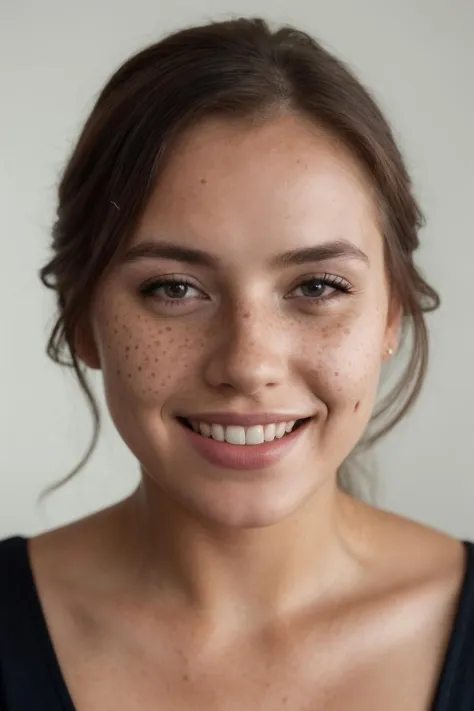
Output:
[[31, 679]]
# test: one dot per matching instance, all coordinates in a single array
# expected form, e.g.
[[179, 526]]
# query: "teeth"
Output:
[[205, 429], [217, 433], [280, 430], [237, 435], [255, 435], [270, 433]]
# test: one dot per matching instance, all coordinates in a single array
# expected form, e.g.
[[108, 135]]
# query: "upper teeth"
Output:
[[235, 434]]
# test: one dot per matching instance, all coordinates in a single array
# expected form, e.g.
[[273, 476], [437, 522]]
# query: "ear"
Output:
[[85, 345], [392, 331]]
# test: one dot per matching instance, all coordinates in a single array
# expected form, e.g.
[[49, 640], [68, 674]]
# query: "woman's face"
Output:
[[254, 286]]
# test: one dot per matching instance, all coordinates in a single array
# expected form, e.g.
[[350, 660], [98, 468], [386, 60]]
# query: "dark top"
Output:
[[31, 679]]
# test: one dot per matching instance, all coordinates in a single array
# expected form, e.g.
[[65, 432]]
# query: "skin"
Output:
[[213, 587]]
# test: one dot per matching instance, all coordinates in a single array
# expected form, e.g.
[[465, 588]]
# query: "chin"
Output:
[[240, 505]]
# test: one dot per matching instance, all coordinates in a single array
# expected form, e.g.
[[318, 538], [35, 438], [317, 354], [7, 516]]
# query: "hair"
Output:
[[237, 70]]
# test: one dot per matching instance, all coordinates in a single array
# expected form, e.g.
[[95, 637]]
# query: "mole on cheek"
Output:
[[357, 405]]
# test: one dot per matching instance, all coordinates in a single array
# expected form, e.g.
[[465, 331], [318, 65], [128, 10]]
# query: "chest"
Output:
[[367, 667]]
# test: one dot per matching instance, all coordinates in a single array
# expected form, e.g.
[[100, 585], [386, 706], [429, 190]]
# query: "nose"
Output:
[[250, 355]]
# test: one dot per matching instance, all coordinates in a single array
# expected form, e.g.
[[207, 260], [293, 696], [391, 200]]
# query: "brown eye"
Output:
[[175, 291], [171, 290]]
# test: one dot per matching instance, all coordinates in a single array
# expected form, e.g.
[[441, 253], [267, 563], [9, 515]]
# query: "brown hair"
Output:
[[237, 69]]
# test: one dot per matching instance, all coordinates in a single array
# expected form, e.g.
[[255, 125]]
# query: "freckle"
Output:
[[157, 343], [185, 676], [357, 405], [336, 373], [203, 181], [153, 375], [140, 368], [136, 348], [246, 315], [115, 331], [168, 328], [129, 375]]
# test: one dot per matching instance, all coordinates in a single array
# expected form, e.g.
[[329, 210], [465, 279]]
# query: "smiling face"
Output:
[[255, 283]]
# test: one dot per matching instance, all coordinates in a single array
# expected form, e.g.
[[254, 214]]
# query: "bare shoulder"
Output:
[[425, 565], [69, 555], [416, 548]]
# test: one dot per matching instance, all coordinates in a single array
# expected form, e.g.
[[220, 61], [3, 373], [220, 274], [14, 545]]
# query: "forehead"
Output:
[[283, 182]]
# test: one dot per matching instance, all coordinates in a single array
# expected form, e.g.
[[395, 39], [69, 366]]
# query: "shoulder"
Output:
[[408, 549]]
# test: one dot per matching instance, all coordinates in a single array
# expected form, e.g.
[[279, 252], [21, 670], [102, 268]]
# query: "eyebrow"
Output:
[[336, 249]]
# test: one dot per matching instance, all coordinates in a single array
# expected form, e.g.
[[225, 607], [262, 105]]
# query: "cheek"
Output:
[[344, 361], [143, 358]]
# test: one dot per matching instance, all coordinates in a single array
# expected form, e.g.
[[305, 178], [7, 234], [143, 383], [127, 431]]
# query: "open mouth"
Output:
[[238, 435]]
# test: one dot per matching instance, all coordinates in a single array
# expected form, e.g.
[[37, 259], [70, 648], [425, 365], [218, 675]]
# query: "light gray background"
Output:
[[55, 55]]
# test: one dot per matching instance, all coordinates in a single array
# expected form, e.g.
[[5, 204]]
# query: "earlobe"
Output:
[[392, 334], [85, 346]]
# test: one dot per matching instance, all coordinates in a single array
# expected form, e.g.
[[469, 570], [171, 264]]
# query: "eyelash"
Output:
[[341, 286]]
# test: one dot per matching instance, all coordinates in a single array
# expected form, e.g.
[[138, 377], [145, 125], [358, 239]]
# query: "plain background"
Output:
[[417, 56]]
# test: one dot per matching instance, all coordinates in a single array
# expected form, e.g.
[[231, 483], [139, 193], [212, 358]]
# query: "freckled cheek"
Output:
[[344, 360], [145, 359]]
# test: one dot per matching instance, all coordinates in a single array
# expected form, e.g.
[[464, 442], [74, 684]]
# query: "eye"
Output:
[[171, 290], [322, 288]]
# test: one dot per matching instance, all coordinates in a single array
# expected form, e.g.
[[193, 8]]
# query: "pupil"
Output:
[[175, 290], [315, 287]]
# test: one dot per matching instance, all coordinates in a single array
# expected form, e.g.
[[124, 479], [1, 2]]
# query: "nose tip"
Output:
[[247, 363]]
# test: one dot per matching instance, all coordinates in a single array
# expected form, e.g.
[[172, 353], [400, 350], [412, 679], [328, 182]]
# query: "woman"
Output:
[[234, 251]]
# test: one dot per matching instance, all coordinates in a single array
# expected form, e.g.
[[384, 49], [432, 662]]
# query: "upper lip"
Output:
[[245, 420]]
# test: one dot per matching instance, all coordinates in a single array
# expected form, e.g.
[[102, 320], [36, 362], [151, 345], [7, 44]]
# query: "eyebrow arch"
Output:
[[319, 253], [166, 250]]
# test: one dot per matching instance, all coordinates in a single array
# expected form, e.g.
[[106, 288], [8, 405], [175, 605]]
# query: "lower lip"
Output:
[[243, 457]]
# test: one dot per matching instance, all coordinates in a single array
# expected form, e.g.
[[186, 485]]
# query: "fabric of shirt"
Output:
[[31, 678]]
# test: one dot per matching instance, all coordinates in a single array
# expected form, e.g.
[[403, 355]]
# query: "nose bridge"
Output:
[[250, 352]]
